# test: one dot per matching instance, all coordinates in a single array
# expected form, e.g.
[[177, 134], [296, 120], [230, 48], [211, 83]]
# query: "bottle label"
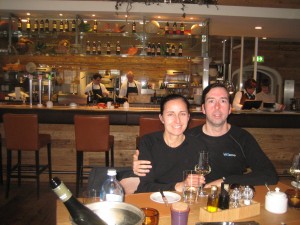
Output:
[[63, 192], [114, 198]]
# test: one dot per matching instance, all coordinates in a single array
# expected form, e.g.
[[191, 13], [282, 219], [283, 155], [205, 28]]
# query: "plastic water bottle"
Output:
[[111, 190]]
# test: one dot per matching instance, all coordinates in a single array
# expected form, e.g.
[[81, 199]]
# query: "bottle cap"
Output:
[[111, 172]]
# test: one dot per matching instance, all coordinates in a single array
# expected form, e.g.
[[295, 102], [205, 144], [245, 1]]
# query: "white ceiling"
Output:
[[277, 23]]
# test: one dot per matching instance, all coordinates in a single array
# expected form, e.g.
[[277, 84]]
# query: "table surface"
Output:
[[291, 217]]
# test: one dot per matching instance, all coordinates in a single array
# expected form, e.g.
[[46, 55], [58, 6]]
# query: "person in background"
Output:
[[247, 94], [170, 151], [98, 90], [232, 150], [130, 86]]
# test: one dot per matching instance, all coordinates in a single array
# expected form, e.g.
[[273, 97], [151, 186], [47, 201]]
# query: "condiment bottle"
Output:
[[80, 214], [223, 198], [247, 195], [133, 27], [212, 201]]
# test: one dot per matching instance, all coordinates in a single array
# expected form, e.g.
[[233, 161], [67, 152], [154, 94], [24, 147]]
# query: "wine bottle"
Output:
[[167, 28], [174, 28], [99, 48], [80, 214], [66, 26], [173, 50], [118, 48], [94, 48], [180, 50], [88, 48], [133, 27], [149, 49], [36, 26], [47, 25], [167, 49], [158, 49], [28, 25], [54, 26], [95, 26], [223, 198], [153, 49], [108, 48], [73, 26], [181, 28], [42, 25], [61, 26], [19, 25]]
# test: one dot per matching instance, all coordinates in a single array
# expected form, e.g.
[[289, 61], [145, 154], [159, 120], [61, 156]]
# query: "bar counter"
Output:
[[277, 133]]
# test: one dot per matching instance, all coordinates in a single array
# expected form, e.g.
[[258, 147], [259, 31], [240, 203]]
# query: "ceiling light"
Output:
[[60, 14], [93, 15], [265, 38], [191, 18], [159, 17], [28, 14], [258, 28]]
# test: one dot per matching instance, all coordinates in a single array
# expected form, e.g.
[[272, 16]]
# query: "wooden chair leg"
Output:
[[37, 173], [8, 172], [112, 156], [49, 161], [79, 162], [107, 159]]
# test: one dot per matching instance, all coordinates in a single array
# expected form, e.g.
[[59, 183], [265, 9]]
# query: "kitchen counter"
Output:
[[121, 116]]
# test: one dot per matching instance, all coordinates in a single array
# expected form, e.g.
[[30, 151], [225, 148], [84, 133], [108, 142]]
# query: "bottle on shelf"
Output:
[[36, 26], [90, 97], [223, 198], [111, 190], [54, 26], [99, 48], [61, 26], [95, 26], [88, 48], [73, 26], [118, 48], [94, 48], [180, 50], [28, 25], [174, 28], [80, 214], [42, 25], [167, 49], [66, 26], [212, 200], [47, 25], [149, 49], [158, 49], [19, 24], [182, 28], [167, 28], [108, 48], [173, 50], [153, 49], [133, 27]]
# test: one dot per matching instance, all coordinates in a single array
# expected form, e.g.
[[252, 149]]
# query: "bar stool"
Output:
[[91, 135], [148, 125], [22, 135], [1, 169]]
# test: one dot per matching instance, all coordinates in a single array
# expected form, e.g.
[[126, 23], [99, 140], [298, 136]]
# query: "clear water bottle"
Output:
[[111, 190]]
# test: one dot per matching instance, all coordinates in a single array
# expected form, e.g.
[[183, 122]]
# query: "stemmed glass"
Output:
[[202, 168], [295, 169]]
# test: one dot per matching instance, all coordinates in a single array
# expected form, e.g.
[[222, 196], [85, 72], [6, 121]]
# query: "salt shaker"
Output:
[[235, 197], [247, 195]]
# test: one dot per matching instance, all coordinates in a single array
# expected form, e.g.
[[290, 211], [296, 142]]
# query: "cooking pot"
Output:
[[276, 201], [117, 213]]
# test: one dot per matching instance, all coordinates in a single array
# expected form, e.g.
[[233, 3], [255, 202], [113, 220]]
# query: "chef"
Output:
[[131, 86], [97, 89]]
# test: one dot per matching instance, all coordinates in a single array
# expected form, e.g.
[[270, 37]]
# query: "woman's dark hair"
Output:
[[250, 83], [96, 76], [170, 97], [211, 86]]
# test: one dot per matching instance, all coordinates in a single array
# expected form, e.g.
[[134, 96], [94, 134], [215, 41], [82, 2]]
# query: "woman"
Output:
[[170, 151], [248, 94]]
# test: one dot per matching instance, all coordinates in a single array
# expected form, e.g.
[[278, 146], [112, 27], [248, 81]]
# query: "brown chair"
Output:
[[22, 135], [1, 171], [148, 125], [91, 135], [196, 122]]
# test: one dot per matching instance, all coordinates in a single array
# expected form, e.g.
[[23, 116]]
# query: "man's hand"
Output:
[[140, 167]]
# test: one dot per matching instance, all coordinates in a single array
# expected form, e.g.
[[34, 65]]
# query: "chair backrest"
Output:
[[91, 133], [149, 125], [21, 131], [196, 122]]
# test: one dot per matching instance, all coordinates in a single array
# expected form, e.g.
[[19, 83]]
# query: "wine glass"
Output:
[[295, 169], [202, 168]]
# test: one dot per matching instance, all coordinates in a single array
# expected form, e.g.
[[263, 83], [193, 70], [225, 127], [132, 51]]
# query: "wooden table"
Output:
[[291, 217]]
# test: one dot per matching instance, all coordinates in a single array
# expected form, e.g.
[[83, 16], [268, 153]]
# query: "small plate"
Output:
[[171, 197], [294, 184]]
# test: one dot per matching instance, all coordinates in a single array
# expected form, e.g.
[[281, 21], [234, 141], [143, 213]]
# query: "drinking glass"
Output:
[[191, 186], [295, 169], [202, 168]]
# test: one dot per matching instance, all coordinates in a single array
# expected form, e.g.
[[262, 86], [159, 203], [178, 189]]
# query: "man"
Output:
[[98, 90], [130, 86], [232, 150]]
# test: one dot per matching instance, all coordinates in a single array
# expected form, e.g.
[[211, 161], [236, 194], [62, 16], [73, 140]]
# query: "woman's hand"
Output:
[[191, 181], [140, 167], [215, 182]]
